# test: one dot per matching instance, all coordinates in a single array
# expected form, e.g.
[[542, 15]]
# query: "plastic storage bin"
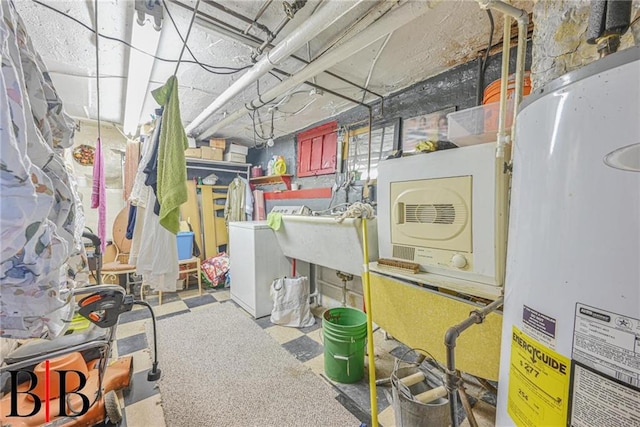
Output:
[[185, 244], [477, 125]]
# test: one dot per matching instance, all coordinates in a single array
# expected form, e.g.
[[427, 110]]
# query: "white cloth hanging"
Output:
[[157, 260], [248, 199], [140, 195]]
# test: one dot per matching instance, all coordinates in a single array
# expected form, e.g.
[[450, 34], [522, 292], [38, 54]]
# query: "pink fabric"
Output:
[[98, 194], [259, 213], [131, 159]]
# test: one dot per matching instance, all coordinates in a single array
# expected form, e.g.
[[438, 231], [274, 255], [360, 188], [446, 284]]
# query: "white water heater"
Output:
[[571, 336]]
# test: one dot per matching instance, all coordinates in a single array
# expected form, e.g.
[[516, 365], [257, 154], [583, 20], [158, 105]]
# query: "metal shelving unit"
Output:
[[219, 166]]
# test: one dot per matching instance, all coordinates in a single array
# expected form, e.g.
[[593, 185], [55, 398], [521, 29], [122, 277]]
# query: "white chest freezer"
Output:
[[256, 260]]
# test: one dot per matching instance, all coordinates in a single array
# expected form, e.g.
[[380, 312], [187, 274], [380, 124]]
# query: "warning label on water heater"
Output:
[[539, 325], [538, 383], [608, 342], [597, 400]]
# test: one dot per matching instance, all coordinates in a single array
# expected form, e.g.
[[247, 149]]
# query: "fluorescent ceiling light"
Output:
[[140, 66]]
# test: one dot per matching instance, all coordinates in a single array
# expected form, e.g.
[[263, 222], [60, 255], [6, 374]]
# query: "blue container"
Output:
[[185, 244]]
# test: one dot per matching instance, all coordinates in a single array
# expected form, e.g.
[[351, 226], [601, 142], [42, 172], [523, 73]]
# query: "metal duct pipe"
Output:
[[388, 23], [324, 18]]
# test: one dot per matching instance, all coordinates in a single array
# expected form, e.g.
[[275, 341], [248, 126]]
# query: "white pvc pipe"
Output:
[[522, 18], [390, 22], [502, 189], [325, 17]]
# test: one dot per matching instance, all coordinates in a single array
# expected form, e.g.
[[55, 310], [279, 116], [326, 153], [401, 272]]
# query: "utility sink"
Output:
[[321, 240]]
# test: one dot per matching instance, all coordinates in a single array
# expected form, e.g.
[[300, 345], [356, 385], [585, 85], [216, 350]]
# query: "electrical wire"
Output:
[[373, 64], [255, 129], [210, 68], [203, 66], [184, 40], [97, 68], [485, 62]]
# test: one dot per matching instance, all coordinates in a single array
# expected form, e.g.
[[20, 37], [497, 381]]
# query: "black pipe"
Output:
[[484, 62], [317, 86], [154, 372], [451, 379], [290, 12], [239, 16]]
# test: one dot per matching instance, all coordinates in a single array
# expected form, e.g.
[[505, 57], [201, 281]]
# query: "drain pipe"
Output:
[[325, 17], [394, 19], [451, 380]]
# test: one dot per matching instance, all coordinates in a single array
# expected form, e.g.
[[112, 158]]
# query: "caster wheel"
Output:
[[112, 408]]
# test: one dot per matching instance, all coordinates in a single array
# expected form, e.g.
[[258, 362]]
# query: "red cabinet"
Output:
[[317, 150]]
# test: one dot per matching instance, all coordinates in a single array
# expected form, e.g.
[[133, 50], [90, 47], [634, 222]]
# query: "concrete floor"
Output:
[[142, 403]]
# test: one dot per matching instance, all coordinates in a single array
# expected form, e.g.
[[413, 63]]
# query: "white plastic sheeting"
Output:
[[41, 221]]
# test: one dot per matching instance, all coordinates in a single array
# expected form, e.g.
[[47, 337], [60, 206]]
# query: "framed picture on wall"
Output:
[[427, 127], [384, 141]]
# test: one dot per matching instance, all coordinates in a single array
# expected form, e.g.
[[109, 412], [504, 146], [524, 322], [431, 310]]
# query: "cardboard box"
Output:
[[211, 153], [193, 153], [235, 158], [238, 149], [220, 143]]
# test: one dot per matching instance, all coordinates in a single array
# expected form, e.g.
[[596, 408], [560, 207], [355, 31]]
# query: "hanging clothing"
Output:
[[248, 199], [151, 168], [131, 221], [99, 194], [259, 208], [234, 207], [136, 238], [131, 159], [157, 259], [42, 256], [139, 192], [172, 166]]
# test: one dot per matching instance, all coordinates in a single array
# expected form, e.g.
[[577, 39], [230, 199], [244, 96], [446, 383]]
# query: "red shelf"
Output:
[[304, 193], [271, 180]]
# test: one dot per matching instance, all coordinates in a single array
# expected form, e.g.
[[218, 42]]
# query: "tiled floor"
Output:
[[142, 402]]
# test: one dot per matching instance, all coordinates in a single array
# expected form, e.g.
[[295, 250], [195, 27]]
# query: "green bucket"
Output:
[[345, 333]]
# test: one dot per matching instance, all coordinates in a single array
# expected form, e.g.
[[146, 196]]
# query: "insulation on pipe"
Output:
[[394, 19], [313, 26]]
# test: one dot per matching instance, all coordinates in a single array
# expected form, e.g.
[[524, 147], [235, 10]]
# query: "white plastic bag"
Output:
[[290, 296]]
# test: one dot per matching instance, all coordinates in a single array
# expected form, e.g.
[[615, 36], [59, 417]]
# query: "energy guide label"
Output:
[[608, 342], [538, 383]]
